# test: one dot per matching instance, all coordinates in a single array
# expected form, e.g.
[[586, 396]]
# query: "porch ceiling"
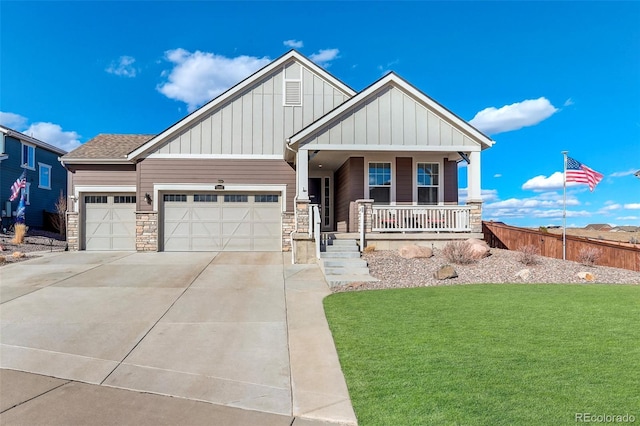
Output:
[[332, 160]]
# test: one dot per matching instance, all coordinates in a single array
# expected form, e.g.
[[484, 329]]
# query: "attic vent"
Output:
[[292, 92]]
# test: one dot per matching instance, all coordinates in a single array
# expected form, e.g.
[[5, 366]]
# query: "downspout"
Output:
[[295, 203]]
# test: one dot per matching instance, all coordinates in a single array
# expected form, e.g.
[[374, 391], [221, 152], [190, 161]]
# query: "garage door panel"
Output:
[[266, 229], [109, 222], [241, 229]]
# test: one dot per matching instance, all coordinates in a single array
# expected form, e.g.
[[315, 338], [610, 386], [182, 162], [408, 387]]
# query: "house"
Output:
[[46, 177], [245, 171], [626, 228], [603, 227]]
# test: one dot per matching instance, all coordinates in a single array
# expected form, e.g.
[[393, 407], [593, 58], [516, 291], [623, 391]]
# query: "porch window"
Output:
[[380, 182], [428, 182]]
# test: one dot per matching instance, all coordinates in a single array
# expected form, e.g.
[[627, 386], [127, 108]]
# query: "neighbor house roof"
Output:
[[106, 148], [30, 139], [598, 226]]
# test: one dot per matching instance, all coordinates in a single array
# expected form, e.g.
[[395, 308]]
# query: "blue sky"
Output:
[[538, 77]]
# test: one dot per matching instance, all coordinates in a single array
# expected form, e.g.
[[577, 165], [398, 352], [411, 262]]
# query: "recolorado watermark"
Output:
[[604, 418]]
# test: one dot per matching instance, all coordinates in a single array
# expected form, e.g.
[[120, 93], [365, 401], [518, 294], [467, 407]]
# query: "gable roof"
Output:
[[274, 66], [397, 81], [598, 226], [106, 148], [30, 139]]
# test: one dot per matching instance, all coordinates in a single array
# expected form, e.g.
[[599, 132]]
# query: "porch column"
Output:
[[302, 174], [473, 178]]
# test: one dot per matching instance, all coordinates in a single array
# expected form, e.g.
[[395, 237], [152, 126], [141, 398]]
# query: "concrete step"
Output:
[[342, 248], [340, 254], [343, 242], [344, 262], [338, 280], [338, 270]]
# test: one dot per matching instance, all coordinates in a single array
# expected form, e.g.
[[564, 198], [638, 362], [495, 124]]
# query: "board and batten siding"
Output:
[[391, 117], [210, 171], [255, 121]]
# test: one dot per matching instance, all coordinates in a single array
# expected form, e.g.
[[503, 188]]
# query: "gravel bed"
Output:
[[34, 242], [501, 266]]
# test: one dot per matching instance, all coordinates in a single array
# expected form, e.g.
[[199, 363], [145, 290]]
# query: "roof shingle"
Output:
[[108, 147]]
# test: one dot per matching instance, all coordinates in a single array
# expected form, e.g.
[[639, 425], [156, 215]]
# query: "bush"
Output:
[[20, 231], [529, 255], [459, 252], [369, 249], [589, 256]]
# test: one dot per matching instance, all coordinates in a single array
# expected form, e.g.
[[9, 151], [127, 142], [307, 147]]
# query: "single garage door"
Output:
[[222, 222], [110, 222]]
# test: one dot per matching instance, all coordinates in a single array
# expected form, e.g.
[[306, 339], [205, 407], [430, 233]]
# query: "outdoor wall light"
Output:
[[147, 198]]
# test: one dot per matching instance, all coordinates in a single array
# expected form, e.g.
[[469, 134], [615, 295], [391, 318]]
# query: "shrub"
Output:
[[588, 256], [369, 249], [20, 231], [529, 255], [59, 220], [459, 252]]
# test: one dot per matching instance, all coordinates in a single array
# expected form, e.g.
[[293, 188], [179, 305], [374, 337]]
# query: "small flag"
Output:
[[578, 172], [17, 185], [21, 210]]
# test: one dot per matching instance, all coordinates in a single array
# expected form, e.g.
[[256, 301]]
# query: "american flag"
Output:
[[17, 185], [578, 172]]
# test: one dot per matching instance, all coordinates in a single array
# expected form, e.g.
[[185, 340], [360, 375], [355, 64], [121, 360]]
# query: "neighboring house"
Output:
[[241, 172], [626, 228], [598, 227], [45, 176]]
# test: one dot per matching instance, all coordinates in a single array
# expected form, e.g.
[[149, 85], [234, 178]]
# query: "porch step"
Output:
[[341, 263]]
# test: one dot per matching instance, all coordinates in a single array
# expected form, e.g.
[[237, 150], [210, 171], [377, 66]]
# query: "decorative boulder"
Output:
[[587, 276], [3, 260], [523, 274], [445, 272], [414, 251], [479, 248], [18, 255]]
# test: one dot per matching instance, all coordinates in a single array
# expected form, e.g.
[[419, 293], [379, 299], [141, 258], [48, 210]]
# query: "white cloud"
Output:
[[513, 117], [544, 183], [324, 56], [497, 175], [568, 102], [385, 69], [13, 121], [199, 77], [294, 44], [123, 67], [544, 205], [628, 218], [486, 195], [54, 135], [632, 206], [620, 174], [46, 132]]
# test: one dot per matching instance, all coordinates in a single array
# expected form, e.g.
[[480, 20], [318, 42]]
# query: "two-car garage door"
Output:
[[210, 221]]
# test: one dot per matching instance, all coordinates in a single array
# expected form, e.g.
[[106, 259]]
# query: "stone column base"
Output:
[[146, 231], [73, 234]]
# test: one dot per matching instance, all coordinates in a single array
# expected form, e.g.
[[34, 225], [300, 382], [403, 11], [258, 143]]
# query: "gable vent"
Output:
[[292, 92]]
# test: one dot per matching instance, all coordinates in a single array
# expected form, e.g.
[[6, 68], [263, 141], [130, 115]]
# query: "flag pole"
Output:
[[564, 206]]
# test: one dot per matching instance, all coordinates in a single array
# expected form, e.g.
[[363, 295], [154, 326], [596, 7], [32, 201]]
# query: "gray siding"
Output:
[[392, 117], [349, 186], [255, 121], [208, 171]]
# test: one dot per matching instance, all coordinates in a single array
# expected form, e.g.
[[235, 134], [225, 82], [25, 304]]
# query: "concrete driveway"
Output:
[[242, 330]]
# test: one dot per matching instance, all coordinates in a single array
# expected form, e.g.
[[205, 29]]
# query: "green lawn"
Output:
[[489, 354]]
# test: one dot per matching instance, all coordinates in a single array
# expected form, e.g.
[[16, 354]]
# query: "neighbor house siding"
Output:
[[450, 182], [404, 180], [255, 122], [392, 117], [211, 171], [349, 186]]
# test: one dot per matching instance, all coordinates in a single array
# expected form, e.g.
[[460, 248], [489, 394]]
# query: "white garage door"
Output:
[[110, 222], [222, 222]]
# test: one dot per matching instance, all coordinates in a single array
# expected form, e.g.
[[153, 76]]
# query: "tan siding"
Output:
[[103, 174], [349, 186], [404, 179], [209, 171], [450, 180]]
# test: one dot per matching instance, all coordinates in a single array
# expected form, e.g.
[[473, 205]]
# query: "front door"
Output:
[[320, 194]]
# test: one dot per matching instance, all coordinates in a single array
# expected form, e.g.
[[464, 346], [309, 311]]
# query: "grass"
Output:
[[489, 354]]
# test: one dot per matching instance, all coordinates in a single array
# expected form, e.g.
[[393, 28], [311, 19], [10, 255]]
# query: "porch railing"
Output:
[[421, 218], [314, 226]]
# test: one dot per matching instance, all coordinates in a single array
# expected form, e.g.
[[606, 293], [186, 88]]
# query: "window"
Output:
[[44, 176], [266, 198], [205, 198], [380, 182], [182, 198], [236, 198], [428, 181], [95, 199], [28, 156], [124, 199]]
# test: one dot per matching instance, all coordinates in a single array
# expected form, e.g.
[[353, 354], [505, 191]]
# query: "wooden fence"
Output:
[[613, 254]]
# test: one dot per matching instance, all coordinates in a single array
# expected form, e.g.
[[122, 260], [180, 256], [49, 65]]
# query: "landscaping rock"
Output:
[[479, 248], [587, 276], [18, 255], [414, 251], [445, 272], [3, 260], [523, 274]]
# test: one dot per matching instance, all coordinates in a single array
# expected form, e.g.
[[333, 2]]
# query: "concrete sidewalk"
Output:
[[233, 334]]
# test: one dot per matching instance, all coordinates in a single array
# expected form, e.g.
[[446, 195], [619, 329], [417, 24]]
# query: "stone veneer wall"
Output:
[[73, 234], [302, 216], [146, 231], [368, 213], [288, 226], [475, 216]]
